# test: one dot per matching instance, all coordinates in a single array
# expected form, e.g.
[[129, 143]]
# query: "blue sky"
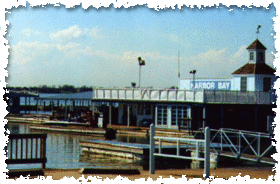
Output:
[[100, 47]]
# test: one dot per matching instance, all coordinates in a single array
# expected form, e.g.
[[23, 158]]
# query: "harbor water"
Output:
[[64, 152]]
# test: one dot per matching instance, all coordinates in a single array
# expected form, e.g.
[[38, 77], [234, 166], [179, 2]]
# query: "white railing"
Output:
[[178, 95], [247, 145], [148, 94], [197, 142], [238, 97]]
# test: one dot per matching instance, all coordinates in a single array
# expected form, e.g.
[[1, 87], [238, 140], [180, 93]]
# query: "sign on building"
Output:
[[211, 85]]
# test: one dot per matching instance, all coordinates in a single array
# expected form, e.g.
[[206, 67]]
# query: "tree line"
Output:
[[52, 89]]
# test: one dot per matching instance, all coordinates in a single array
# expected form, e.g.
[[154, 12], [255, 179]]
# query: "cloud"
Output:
[[28, 33], [148, 56], [94, 32], [27, 52], [215, 63], [212, 55], [76, 32], [67, 34]]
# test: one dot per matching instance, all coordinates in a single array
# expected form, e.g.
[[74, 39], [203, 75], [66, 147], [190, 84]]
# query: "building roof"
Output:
[[256, 45], [88, 95], [253, 68]]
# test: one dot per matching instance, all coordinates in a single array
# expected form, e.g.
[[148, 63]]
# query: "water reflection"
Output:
[[64, 152]]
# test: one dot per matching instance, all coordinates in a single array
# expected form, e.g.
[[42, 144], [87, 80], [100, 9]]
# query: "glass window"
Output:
[[243, 84], [162, 115], [266, 84], [179, 114], [251, 55], [260, 56]]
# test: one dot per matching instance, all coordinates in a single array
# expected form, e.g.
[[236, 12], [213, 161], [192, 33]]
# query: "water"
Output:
[[64, 152]]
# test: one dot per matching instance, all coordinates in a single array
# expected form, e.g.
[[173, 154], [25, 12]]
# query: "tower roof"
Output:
[[256, 45], [255, 68]]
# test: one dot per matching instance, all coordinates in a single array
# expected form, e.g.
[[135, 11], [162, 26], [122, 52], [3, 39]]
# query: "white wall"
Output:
[[254, 82], [236, 83], [250, 83]]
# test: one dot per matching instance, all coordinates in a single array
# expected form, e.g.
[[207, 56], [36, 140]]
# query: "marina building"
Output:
[[244, 101]]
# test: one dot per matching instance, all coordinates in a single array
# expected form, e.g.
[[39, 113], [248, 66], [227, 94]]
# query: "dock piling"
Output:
[[152, 149], [207, 153]]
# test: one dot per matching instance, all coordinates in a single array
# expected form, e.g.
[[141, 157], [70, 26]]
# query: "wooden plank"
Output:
[[31, 148], [11, 150], [17, 136], [23, 161], [36, 148], [16, 147], [19, 148], [26, 148]]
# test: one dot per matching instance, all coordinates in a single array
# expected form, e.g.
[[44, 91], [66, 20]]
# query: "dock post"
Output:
[[29, 104], [110, 113], [128, 115], [37, 108], [25, 105], [204, 117], [207, 153], [65, 108], [152, 149]]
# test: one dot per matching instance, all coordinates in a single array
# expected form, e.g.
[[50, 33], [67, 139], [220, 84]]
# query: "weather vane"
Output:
[[258, 31]]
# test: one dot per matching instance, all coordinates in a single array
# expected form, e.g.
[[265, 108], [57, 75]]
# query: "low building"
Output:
[[13, 101], [244, 101]]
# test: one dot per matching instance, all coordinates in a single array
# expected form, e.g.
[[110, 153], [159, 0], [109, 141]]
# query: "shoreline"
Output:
[[221, 173], [263, 172]]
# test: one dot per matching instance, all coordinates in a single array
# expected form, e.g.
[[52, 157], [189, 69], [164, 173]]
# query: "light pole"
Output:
[[141, 63], [193, 72]]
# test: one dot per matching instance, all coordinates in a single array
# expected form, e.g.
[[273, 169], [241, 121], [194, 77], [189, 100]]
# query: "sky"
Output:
[[55, 46]]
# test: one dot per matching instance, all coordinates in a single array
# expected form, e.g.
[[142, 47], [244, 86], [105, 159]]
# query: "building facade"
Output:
[[244, 101]]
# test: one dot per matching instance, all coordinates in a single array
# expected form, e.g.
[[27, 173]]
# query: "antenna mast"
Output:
[[258, 31], [179, 68]]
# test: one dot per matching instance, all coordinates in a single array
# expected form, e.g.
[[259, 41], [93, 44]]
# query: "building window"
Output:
[[266, 84], [178, 115], [243, 84], [251, 55], [260, 56], [162, 115]]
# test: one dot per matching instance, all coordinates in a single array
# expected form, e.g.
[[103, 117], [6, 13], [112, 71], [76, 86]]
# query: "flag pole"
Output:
[[179, 69]]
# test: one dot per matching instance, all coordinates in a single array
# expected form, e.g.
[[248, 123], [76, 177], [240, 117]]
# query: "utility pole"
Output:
[[141, 63]]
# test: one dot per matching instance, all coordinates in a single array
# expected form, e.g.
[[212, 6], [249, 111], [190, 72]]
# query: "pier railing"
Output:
[[196, 142], [238, 97], [26, 148], [148, 94], [180, 95], [241, 144]]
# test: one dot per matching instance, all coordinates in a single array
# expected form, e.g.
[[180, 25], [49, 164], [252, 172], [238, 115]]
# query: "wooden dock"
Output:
[[133, 151], [70, 129]]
